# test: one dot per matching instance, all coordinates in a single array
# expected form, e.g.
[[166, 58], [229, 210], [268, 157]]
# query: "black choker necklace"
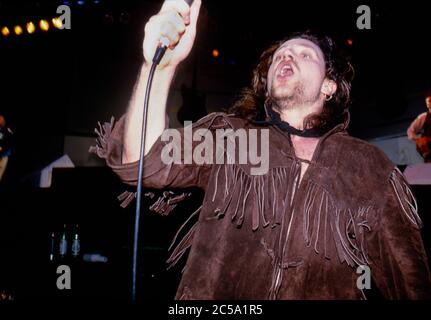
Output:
[[275, 119]]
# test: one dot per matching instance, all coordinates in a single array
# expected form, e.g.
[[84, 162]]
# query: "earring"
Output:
[[328, 97]]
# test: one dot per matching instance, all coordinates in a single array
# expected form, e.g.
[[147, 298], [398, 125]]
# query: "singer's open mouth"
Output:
[[285, 69]]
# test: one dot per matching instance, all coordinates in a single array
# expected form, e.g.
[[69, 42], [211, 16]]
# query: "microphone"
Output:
[[164, 43]]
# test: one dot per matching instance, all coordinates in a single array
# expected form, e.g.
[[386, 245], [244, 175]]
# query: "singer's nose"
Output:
[[287, 55]]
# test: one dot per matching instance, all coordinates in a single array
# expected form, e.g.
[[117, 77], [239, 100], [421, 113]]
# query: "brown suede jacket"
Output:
[[267, 237]]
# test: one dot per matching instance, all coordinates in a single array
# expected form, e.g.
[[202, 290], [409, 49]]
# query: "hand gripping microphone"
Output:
[[164, 43]]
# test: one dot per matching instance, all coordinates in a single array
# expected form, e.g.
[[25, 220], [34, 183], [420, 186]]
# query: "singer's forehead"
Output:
[[300, 42]]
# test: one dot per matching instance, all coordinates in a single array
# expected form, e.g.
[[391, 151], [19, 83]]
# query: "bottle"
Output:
[[76, 243], [63, 243], [52, 247]]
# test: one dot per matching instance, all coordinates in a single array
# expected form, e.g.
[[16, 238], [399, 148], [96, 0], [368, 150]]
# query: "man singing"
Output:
[[328, 205]]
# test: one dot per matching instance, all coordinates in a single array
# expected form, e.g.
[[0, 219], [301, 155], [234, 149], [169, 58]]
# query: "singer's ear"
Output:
[[329, 87]]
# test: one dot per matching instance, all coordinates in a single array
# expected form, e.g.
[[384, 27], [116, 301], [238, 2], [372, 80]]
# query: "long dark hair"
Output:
[[250, 104]]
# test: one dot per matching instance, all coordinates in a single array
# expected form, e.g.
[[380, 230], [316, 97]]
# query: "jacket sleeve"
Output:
[[398, 260], [157, 174]]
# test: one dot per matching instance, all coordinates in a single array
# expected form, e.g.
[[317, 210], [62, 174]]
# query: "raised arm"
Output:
[[176, 21]]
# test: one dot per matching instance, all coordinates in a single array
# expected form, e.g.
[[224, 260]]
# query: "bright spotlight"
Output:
[[17, 30], [57, 23], [44, 25], [5, 31], [30, 27]]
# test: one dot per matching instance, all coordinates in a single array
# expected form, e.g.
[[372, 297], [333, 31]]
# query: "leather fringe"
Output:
[[185, 243], [405, 197], [103, 133], [242, 187], [327, 225]]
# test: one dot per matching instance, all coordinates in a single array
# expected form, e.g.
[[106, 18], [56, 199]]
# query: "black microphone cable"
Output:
[[160, 52], [156, 60]]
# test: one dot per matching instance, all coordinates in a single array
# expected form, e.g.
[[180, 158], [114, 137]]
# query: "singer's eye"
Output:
[[305, 55]]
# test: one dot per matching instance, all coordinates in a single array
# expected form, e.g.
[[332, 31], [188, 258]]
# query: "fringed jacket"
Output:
[[267, 237]]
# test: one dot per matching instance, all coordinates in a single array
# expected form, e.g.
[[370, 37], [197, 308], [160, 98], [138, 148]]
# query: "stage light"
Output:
[[215, 53], [80, 2], [17, 30], [5, 31], [30, 27], [349, 42], [57, 23], [44, 25]]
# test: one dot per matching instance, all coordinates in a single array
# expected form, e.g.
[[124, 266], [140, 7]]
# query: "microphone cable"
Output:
[[156, 60]]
